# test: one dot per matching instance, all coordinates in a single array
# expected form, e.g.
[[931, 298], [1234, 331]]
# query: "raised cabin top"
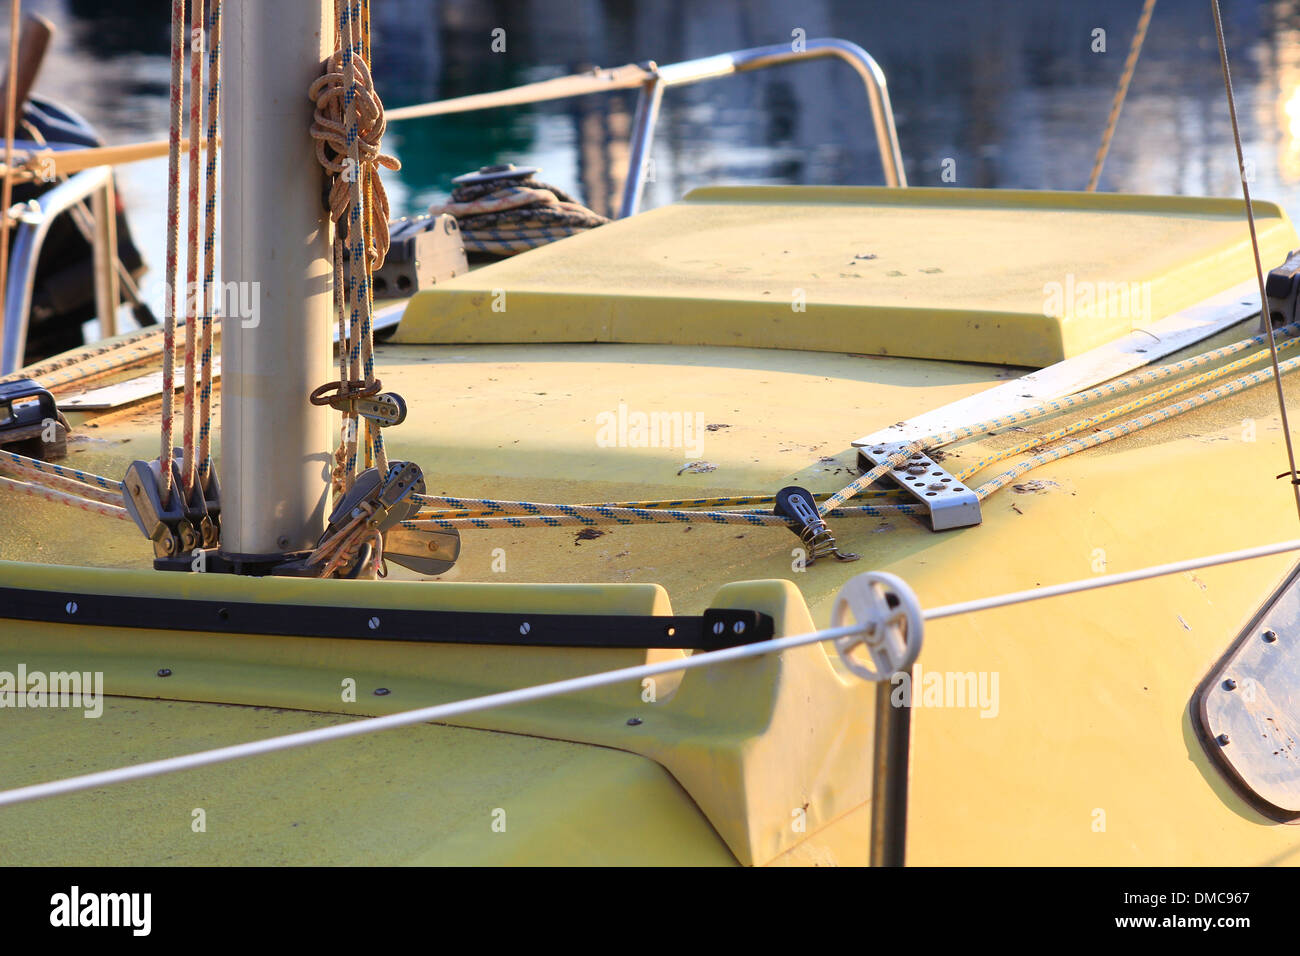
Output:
[[999, 276]]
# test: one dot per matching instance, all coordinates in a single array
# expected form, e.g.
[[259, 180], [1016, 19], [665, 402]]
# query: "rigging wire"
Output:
[[1254, 244], [444, 712]]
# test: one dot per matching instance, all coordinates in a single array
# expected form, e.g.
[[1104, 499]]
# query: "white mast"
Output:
[[276, 270]]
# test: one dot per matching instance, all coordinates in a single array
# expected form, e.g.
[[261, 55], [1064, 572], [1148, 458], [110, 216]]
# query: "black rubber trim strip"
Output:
[[716, 629]]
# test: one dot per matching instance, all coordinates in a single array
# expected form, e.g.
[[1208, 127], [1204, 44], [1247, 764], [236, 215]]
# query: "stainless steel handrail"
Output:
[[29, 237], [653, 80]]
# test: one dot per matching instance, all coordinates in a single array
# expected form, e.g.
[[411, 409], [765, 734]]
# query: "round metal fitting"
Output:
[[892, 625]]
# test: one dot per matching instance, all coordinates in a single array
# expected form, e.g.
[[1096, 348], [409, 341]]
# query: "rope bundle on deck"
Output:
[[502, 217]]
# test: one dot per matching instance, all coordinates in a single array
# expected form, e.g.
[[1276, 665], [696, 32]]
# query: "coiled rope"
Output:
[[503, 217], [344, 156]]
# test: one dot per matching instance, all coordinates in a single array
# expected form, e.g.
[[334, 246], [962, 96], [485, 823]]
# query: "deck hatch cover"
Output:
[[1247, 710]]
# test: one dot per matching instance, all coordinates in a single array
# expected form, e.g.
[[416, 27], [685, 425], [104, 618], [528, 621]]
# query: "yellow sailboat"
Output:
[[1043, 423]]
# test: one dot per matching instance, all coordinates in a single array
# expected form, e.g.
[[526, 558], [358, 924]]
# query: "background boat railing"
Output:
[[652, 80], [95, 184]]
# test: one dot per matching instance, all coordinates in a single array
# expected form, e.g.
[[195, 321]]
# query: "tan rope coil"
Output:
[[331, 134], [508, 216]]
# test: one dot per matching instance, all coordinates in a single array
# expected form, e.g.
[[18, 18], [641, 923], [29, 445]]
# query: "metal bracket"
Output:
[[951, 504], [383, 408], [386, 408], [422, 252], [715, 629], [183, 526], [167, 527], [1244, 711], [203, 509]]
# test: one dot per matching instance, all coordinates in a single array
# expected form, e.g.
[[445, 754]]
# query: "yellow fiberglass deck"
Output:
[[1092, 709], [998, 276]]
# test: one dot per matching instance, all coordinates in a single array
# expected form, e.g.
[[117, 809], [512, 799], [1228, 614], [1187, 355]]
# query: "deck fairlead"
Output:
[[951, 504]]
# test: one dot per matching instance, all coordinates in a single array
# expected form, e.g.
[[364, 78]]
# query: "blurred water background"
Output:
[[1010, 89]]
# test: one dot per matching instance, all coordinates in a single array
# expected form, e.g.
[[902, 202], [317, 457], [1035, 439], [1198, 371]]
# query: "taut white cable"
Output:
[[437, 712]]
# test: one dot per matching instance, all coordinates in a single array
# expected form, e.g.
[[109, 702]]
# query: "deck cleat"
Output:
[[799, 504], [30, 421], [422, 550]]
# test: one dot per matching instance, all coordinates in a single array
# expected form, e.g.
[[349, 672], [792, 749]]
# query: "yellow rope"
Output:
[[33, 476], [1176, 388], [1133, 425], [60, 497]]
